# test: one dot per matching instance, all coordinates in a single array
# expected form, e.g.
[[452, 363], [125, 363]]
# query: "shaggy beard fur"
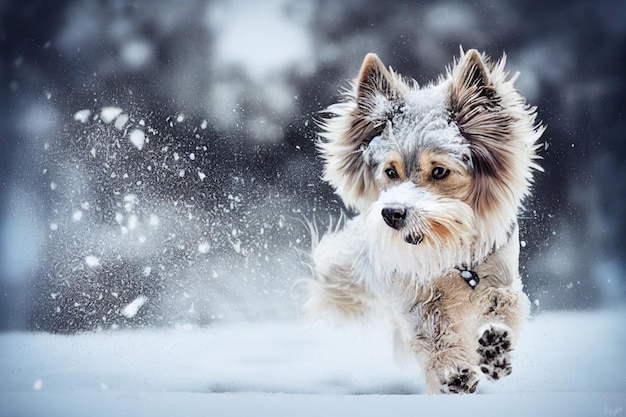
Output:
[[437, 175]]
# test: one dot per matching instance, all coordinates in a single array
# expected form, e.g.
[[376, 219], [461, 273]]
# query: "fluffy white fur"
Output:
[[437, 175]]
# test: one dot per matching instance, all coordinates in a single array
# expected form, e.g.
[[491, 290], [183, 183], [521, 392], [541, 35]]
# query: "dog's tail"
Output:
[[303, 289], [330, 292], [315, 236]]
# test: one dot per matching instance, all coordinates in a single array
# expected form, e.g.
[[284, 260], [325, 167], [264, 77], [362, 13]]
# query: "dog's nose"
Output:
[[394, 217]]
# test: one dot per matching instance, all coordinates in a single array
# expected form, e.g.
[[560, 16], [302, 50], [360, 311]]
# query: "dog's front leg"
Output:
[[441, 341], [502, 308]]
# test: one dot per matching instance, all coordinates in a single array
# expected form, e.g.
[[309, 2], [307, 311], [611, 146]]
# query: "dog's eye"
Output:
[[440, 173], [392, 173]]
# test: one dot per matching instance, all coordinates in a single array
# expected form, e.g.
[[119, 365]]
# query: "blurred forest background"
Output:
[[157, 158]]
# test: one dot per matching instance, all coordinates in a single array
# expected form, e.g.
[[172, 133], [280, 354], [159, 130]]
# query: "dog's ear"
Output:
[[500, 130], [472, 73], [374, 83], [476, 107], [355, 122]]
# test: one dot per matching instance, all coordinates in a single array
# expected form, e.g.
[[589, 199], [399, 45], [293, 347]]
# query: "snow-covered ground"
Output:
[[566, 364]]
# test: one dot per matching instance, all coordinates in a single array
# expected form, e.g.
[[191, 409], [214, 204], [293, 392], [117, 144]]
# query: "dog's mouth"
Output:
[[413, 238]]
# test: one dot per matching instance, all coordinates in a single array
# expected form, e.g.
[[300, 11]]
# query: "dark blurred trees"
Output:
[[157, 62]]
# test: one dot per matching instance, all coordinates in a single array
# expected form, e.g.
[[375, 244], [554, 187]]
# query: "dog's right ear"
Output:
[[376, 88], [354, 122]]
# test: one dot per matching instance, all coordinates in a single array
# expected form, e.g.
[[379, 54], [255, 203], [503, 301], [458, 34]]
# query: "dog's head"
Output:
[[453, 157]]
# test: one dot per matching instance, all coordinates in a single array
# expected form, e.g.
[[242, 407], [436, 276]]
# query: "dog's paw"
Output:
[[462, 381], [494, 350]]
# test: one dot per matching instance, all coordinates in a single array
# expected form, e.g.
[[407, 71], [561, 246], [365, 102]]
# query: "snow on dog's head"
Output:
[[450, 160]]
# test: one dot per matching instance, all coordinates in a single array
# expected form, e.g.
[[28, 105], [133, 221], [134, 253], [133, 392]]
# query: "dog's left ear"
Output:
[[476, 107], [499, 127], [472, 73]]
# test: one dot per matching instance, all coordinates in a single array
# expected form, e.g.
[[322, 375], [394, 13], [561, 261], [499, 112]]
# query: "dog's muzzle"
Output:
[[395, 217]]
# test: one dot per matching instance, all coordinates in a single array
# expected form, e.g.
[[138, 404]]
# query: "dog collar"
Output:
[[471, 277]]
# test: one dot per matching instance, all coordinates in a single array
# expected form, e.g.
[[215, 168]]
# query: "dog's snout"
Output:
[[394, 217]]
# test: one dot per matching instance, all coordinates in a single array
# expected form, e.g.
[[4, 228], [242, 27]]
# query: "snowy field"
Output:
[[567, 364]]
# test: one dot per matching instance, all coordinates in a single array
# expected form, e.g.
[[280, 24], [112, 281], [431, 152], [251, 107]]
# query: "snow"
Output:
[[137, 138], [204, 247], [153, 220], [120, 121], [108, 114], [82, 116], [92, 261], [137, 53], [133, 307], [566, 364], [38, 385]]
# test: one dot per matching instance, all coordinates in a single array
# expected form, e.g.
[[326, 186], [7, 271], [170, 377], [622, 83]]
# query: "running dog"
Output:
[[436, 175]]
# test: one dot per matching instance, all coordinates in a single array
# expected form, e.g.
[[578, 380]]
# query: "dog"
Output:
[[436, 175]]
